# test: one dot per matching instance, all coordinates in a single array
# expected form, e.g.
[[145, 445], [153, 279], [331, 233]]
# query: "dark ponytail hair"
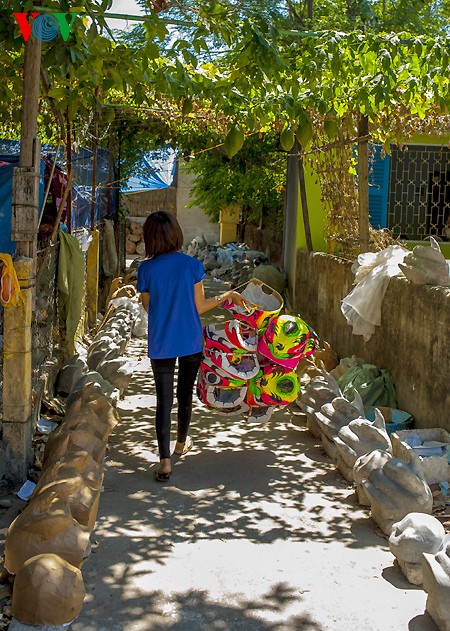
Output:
[[162, 234]]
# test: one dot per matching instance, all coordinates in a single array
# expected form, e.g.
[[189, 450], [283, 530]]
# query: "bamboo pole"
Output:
[[304, 202], [94, 167], [61, 206], [69, 170]]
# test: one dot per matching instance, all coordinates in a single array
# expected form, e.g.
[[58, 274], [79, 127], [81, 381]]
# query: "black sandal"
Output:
[[162, 477]]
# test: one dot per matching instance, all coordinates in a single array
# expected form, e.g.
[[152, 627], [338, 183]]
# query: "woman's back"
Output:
[[174, 327]]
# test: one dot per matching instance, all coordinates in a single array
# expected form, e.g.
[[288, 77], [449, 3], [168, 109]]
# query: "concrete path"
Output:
[[256, 530]]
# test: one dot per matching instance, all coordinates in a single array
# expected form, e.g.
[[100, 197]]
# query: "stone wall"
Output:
[[267, 241], [146, 202], [134, 236], [413, 341], [138, 207]]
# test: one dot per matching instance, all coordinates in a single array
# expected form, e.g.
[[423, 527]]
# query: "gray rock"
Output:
[[116, 371], [271, 276], [100, 351], [335, 415], [99, 384], [255, 256], [15, 625], [358, 438], [320, 390]]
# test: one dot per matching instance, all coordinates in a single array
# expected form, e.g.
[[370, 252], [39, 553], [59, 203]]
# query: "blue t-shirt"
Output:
[[174, 326]]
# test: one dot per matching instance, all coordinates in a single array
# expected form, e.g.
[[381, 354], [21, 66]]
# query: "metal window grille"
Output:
[[419, 197]]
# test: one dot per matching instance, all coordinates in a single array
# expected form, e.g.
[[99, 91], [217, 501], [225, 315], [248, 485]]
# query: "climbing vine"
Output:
[[235, 72]]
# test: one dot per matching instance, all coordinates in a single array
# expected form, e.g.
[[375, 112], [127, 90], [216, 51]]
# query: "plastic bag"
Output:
[[84, 239], [140, 327], [427, 266], [362, 306], [9, 284], [375, 385]]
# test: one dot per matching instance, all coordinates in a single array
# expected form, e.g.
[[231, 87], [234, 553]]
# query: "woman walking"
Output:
[[171, 287]]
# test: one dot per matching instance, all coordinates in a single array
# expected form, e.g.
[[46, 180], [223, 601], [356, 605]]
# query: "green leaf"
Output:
[[187, 106], [287, 139], [331, 125], [72, 108], [233, 141], [304, 130], [58, 93], [92, 33], [108, 114]]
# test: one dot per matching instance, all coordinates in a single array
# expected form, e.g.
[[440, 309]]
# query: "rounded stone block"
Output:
[[364, 465], [396, 490], [48, 592], [436, 582], [410, 538]]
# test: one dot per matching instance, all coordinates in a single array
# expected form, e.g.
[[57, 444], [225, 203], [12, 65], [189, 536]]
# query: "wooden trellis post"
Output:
[[17, 356], [363, 183]]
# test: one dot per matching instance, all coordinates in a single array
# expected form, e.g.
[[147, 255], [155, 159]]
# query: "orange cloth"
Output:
[[9, 285]]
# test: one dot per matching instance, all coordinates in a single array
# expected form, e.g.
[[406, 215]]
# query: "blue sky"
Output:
[[124, 6]]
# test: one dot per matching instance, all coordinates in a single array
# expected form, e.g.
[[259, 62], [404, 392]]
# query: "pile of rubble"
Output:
[[235, 263]]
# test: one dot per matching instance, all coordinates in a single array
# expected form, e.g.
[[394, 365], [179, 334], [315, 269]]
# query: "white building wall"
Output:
[[193, 221]]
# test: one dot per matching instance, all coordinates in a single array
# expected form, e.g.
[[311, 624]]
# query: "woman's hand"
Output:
[[206, 304], [238, 300]]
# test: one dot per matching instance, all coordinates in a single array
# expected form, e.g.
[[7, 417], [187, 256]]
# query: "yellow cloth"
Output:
[[71, 270], [9, 284]]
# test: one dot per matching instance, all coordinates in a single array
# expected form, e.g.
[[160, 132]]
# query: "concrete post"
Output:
[[17, 369], [92, 270]]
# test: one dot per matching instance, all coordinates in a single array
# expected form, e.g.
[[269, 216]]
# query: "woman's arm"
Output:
[[206, 304], [145, 300]]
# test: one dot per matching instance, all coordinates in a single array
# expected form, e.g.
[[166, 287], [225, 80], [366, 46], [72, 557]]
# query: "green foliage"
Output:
[[331, 125], [240, 64], [254, 179], [415, 16]]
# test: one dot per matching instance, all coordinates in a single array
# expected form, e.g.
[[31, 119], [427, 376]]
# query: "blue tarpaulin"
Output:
[[106, 198], [7, 165], [157, 170]]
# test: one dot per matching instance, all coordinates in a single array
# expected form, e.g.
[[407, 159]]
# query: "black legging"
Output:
[[163, 372]]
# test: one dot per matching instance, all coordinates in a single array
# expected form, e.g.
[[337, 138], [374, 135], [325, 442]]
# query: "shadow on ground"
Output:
[[248, 488]]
